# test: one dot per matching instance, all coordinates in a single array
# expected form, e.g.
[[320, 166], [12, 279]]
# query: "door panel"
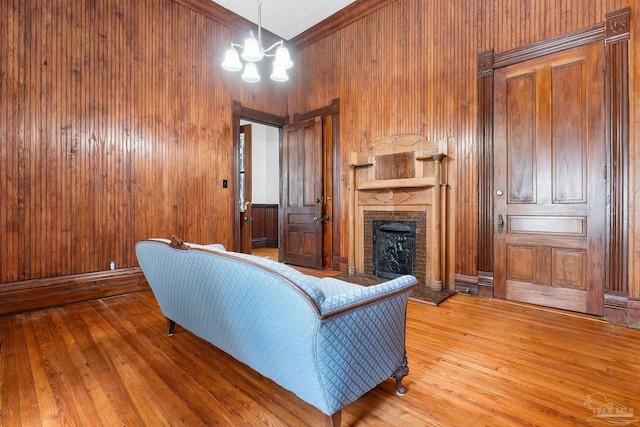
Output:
[[549, 176], [301, 196]]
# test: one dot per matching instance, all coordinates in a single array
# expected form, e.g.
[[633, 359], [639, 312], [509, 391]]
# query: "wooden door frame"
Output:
[[238, 112], [615, 32]]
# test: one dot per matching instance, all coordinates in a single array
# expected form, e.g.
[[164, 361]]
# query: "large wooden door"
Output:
[[246, 209], [301, 196], [550, 180]]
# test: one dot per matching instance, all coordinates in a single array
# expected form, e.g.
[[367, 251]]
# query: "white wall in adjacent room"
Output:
[[265, 168]]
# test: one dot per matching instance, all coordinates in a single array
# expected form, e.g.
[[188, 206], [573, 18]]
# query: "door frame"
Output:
[[615, 31], [238, 113]]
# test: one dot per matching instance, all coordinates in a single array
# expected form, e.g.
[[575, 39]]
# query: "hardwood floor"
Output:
[[473, 362]]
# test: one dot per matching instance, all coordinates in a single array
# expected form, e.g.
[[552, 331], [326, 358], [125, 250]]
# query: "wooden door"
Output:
[[549, 179], [246, 217], [301, 194]]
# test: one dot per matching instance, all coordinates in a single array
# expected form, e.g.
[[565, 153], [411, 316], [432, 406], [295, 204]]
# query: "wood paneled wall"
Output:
[[115, 117], [634, 164], [264, 226], [411, 67], [115, 126]]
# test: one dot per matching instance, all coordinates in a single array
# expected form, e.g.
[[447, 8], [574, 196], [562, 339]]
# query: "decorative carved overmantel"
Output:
[[401, 173]]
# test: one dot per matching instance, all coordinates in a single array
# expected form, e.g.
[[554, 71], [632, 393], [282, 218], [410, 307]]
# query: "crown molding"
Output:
[[350, 14], [225, 17]]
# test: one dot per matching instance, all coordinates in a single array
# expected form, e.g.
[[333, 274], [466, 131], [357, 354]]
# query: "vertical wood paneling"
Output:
[[115, 126], [634, 157], [411, 67], [400, 71], [115, 117]]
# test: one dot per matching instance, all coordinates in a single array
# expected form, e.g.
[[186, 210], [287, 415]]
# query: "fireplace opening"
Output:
[[394, 248]]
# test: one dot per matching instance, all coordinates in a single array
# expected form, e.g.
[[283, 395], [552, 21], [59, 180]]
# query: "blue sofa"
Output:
[[326, 340]]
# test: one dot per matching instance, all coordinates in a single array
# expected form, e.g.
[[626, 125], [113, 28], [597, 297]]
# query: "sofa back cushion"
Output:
[[308, 284]]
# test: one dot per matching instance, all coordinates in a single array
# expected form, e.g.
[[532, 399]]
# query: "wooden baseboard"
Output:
[[35, 294], [264, 242], [340, 263], [485, 284], [615, 307], [466, 284], [633, 313]]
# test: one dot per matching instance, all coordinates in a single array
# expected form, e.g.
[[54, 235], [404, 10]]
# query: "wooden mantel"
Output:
[[402, 173]]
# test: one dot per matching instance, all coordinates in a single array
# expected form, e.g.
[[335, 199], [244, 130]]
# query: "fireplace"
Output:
[[394, 248], [402, 179], [394, 226]]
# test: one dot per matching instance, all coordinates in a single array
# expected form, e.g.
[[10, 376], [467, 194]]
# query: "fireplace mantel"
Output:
[[401, 173], [397, 183]]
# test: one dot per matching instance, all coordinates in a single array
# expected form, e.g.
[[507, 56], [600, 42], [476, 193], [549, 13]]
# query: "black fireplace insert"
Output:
[[394, 248]]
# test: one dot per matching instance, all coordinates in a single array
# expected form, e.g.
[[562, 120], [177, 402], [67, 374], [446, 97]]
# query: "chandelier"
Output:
[[252, 52]]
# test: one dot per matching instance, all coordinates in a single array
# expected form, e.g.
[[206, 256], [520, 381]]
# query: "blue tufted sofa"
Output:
[[326, 340]]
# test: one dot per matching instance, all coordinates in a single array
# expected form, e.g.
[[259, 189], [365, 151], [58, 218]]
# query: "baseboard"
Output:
[[466, 284], [485, 284], [18, 297], [264, 242], [633, 313], [339, 263]]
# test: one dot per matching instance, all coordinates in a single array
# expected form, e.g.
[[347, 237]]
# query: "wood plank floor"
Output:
[[473, 362]]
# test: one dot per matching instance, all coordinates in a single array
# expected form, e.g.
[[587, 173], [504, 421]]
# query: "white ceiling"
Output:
[[286, 18]]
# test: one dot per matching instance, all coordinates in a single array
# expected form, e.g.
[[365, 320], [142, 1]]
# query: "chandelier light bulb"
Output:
[[279, 74], [250, 74], [283, 59], [231, 60], [252, 51]]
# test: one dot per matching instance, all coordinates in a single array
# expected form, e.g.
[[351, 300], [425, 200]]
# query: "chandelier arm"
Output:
[[280, 43]]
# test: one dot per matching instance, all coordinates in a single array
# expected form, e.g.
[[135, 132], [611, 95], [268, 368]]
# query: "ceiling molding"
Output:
[[225, 17], [350, 14]]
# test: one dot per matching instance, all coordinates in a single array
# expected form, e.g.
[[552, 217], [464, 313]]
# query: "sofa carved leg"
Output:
[[399, 374], [171, 326], [333, 420]]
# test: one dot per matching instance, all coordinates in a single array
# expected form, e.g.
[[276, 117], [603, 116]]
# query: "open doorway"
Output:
[[326, 217], [259, 185]]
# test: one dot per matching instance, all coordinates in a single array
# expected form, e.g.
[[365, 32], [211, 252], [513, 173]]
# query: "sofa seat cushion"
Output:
[[307, 283], [330, 286]]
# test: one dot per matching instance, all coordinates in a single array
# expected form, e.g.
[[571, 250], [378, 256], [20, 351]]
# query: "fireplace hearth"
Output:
[[394, 248]]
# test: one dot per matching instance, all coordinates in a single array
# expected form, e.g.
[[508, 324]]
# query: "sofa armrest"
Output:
[[361, 339], [365, 295]]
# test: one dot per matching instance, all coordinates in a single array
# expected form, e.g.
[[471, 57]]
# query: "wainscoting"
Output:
[[264, 233]]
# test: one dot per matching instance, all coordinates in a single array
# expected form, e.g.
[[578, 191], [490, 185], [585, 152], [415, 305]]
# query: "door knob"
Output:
[[500, 224]]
